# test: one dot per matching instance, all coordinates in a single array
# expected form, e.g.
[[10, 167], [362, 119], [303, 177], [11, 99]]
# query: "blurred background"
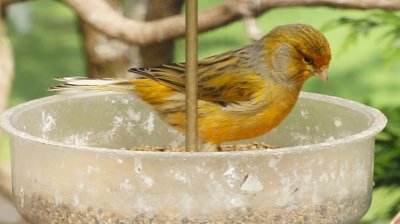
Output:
[[49, 40]]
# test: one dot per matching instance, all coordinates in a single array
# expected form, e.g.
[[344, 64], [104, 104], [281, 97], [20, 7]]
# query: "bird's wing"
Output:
[[222, 78]]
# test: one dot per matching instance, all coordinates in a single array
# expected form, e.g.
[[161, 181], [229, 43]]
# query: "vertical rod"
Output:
[[191, 75]]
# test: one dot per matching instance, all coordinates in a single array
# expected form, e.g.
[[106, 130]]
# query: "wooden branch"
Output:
[[344, 4], [5, 183], [104, 19], [160, 53], [6, 78], [252, 30], [6, 67], [396, 219], [105, 56]]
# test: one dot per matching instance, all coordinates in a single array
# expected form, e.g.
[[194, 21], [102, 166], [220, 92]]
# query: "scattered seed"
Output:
[[39, 209]]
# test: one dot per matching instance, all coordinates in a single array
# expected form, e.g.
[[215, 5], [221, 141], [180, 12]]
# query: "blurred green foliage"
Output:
[[359, 71], [388, 21], [50, 47], [387, 157]]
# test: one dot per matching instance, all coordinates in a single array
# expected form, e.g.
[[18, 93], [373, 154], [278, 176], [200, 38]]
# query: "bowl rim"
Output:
[[378, 123]]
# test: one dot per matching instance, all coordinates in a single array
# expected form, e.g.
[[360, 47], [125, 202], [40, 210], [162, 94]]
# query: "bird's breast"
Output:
[[219, 126]]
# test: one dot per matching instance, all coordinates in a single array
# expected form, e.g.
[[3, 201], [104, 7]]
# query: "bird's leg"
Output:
[[219, 148]]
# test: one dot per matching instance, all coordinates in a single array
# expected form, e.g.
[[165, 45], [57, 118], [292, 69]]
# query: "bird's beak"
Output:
[[323, 74]]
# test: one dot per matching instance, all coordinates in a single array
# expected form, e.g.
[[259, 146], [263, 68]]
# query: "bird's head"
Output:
[[297, 52]]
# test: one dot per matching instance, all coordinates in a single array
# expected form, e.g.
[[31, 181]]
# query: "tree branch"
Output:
[[396, 219], [346, 4], [6, 77], [252, 30], [104, 19], [5, 183]]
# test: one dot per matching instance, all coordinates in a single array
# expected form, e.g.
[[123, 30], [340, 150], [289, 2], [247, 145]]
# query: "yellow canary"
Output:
[[243, 93]]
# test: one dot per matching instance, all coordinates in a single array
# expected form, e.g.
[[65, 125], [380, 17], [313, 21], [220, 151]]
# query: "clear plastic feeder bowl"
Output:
[[69, 165]]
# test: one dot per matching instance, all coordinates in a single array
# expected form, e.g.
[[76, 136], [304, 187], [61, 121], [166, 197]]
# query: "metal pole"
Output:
[[191, 75]]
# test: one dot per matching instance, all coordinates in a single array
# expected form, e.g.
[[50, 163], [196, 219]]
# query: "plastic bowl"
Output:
[[69, 165]]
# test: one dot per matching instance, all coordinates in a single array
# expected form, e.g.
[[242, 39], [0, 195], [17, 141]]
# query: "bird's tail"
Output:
[[83, 83]]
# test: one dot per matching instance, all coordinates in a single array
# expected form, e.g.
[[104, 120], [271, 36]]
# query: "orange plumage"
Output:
[[243, 93]]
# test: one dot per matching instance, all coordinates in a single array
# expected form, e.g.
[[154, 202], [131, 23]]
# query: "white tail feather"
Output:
[[82, 83]]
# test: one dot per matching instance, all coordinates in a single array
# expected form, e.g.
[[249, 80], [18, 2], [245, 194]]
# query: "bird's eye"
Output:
[[308, 60]]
